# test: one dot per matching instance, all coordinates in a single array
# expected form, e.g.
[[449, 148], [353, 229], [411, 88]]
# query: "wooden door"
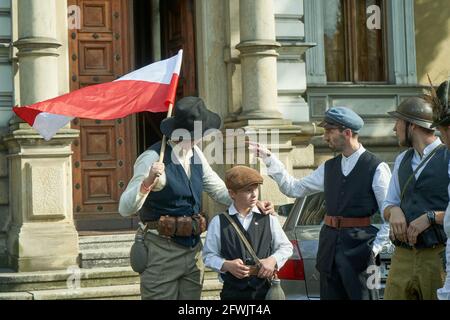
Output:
[[178, 32], [105, 152]]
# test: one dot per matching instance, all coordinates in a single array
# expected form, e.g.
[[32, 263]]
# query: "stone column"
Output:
[[43, 235], [258, 60], [260, 119]]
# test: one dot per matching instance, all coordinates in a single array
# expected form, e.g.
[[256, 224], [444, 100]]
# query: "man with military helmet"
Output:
[[415, 203]]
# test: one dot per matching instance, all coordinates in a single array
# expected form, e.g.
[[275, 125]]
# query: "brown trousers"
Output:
[[415, 274], [173, 272]]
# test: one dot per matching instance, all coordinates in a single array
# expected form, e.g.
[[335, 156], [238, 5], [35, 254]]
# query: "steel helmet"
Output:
[[415, 110]]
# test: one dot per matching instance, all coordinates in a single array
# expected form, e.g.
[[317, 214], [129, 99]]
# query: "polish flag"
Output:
[[152, 89]]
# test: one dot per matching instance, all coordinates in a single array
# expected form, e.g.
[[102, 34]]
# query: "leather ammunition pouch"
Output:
[[169, 226]]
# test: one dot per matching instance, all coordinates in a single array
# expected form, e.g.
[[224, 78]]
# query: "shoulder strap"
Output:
[[243, 238], [424, 161]]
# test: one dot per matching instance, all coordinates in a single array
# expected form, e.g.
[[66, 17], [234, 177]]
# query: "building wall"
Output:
[[432, 19], [6, 94], [291, 77]]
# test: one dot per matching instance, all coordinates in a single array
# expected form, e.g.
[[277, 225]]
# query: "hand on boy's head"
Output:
[[266, 207]]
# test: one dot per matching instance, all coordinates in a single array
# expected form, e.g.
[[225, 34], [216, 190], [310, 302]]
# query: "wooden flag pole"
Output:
[[164, 140]]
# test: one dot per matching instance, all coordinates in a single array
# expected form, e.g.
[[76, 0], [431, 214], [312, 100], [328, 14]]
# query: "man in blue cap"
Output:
[[355, 185]]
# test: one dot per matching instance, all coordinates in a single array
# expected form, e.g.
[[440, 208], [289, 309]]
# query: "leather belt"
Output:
[[152, 225], [339, 222]]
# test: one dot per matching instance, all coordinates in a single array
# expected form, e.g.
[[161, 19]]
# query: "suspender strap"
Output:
[[424, 161], [243, 238]]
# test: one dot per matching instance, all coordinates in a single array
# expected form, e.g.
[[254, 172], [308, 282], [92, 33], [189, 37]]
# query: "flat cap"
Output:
[[240, 177], [342, 117]]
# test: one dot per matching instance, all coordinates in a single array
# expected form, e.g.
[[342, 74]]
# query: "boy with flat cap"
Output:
[[243, 277], [168, 198], [355, 185]]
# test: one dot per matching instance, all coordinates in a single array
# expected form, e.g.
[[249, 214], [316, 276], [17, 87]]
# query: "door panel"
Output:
[[178, 32], [105, 152]]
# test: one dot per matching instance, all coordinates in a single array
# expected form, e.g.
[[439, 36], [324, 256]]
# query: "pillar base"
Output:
[[42, 246], [42, 236]]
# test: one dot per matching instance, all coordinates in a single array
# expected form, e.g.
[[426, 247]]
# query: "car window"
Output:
[[313, 210]]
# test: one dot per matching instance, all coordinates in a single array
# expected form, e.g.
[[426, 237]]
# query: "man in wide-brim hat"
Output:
[[441, 115], [168, 198]]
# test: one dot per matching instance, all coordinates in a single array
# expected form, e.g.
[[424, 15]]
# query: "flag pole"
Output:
[[164, 140]]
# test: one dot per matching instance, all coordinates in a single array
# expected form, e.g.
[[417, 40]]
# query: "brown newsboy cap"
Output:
[[240, 177]]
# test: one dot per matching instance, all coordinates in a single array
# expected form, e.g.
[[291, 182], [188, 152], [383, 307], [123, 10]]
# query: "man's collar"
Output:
[[429, 147], [357, 153]]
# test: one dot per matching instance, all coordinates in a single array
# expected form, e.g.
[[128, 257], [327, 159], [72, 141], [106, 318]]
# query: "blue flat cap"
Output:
[[342, 117]]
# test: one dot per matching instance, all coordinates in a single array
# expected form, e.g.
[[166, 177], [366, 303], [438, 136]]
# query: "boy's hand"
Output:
[[237, 268], [267, 268]]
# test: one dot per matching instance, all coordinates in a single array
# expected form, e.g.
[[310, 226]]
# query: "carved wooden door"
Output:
[[105, 152], [178, 32]]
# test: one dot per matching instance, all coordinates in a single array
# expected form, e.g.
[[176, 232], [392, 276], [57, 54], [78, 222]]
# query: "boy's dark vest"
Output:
[[260, 237], [352, 195], [429, 192], [180, 197]]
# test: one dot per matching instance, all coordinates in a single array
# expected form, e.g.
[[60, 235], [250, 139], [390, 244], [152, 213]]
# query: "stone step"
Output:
[[50, 280], [113, 241], [105, 251], [211, 291], [105, 258]]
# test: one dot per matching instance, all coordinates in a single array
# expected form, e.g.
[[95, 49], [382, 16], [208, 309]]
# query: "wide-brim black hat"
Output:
[[187, 111]]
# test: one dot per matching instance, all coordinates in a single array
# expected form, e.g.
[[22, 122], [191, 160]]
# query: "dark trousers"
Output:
[[343, 283], [232, 293]]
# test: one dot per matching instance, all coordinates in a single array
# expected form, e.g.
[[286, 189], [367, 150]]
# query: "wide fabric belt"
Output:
[[339, 222]]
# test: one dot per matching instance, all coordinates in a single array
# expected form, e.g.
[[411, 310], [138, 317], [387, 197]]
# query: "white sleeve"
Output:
[[212, 247], [393, 193], [380, 187], [212, 183], [282, 247], [293, 187], [132, 199]]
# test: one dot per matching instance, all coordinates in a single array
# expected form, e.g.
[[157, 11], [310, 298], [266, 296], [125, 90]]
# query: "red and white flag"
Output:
[[151, 89]]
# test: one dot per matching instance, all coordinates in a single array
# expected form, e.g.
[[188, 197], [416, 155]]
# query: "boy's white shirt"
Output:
[[282, 247]]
